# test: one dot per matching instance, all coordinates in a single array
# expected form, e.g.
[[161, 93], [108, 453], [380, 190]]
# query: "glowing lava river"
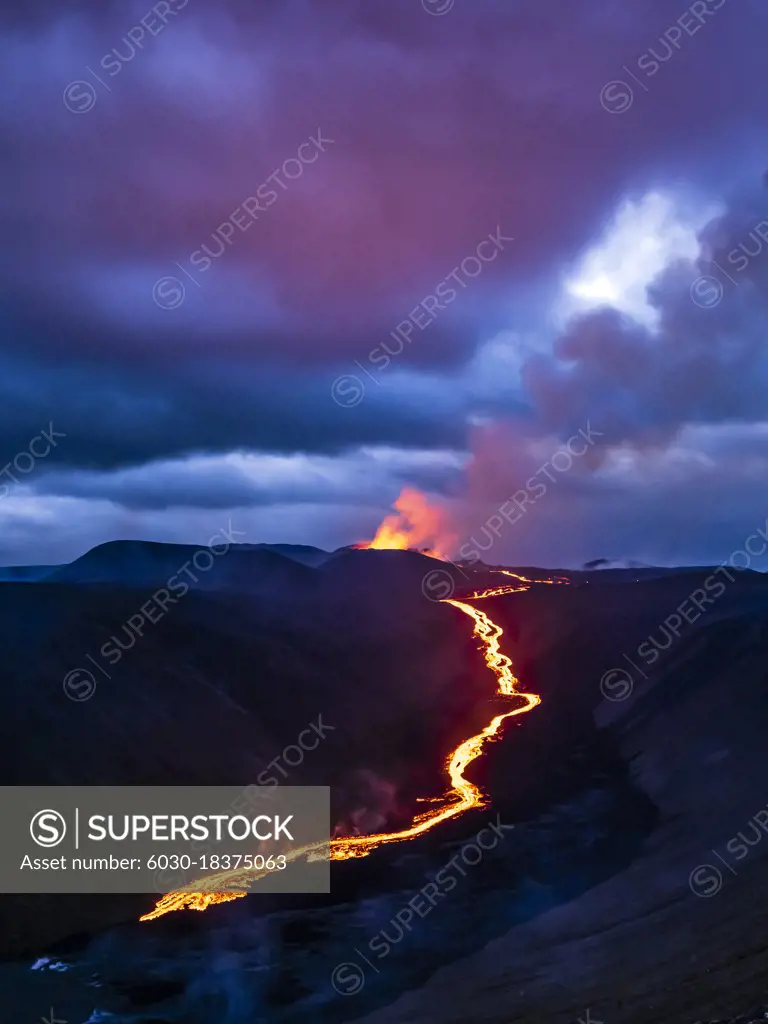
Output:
[[462, 796]]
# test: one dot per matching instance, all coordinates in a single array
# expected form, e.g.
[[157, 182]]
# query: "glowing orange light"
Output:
[[462, 794], [417, 525]]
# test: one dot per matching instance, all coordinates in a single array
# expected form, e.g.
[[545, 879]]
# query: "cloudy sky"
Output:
[[272, 261]]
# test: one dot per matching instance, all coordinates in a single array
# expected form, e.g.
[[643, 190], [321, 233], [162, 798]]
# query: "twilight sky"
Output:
[[269, 262]]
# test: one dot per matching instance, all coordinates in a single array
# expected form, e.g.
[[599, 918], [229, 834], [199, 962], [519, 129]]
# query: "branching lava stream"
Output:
[[462, 795]]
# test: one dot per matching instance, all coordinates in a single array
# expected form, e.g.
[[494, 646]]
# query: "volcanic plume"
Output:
[[417, 524]]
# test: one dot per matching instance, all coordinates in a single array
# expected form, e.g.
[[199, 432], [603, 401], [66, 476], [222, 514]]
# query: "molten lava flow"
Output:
[[514, 575], [417, 524], [509, 589], [461, 796], [497, 592]]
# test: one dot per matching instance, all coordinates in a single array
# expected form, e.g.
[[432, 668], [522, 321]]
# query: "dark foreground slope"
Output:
[[679, 935], [111, 684], [585, 904]]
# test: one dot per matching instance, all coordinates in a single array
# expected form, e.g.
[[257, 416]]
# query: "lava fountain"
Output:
[[415, 524]]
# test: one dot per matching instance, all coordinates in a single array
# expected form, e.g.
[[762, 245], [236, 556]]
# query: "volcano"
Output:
[[508, 777]]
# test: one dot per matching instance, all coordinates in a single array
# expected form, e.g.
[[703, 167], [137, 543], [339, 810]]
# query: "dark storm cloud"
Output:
[[240, 480], [439, 131], [442, 129], [122, 417]]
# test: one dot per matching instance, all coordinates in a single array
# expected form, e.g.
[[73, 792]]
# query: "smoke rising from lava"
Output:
[[417, 524]]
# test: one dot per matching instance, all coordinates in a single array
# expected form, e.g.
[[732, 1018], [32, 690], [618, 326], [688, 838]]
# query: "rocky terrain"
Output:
[[631, 887]]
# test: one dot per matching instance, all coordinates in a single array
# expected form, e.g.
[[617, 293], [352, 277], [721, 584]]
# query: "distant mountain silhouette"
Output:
[[304, 553], [139, 563]]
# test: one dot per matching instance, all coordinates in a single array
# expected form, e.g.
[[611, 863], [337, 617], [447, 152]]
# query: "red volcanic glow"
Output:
[[416, 524]]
